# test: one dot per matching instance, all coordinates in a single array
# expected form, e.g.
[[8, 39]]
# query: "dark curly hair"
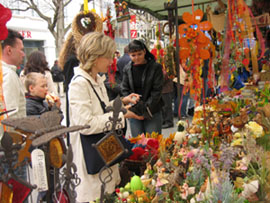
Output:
[[36, 63]]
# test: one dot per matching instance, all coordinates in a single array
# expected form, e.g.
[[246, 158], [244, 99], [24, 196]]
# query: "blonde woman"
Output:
[[95, 54]]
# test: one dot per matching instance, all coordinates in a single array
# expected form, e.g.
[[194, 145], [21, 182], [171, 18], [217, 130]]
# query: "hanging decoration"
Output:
[[4, 18], [122, 12], [194, 48], [160, 51], [169, 63], [240, 47], [85, 7], [111, 33], [169, 60], [157, 51]]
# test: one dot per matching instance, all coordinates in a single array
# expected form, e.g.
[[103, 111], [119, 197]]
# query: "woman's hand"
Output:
[[130, 114], [133, 98]]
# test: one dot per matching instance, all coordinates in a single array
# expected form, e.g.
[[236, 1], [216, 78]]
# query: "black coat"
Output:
[[68, 71], [152, 82], [121, 63], [35, 105], [57, 74]]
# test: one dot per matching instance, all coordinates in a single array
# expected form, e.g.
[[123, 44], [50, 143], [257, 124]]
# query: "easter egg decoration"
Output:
[[136, 183]]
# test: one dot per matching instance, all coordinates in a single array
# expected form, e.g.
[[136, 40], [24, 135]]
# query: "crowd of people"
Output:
[[139, 81]]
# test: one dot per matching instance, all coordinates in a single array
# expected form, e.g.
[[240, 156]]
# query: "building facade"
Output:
[[36, 35]]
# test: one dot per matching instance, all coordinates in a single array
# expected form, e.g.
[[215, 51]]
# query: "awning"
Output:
[[156, 7]]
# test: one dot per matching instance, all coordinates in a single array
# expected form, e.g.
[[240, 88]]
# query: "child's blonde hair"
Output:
[[31, 79]]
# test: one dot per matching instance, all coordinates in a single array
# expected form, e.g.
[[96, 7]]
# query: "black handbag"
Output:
[[93, 160]]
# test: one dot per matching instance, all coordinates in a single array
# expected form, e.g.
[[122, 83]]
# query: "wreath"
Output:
[[85, 23], [164, 28]]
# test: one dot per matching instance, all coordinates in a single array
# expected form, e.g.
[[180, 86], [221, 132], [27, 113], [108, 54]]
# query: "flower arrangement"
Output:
[[230, 166], [147, 147], [144, 148]]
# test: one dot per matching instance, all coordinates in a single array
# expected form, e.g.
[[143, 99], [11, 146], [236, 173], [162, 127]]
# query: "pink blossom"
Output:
[[190, 154]]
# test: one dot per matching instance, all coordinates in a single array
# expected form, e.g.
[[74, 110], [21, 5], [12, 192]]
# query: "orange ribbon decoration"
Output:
[[2, 101]]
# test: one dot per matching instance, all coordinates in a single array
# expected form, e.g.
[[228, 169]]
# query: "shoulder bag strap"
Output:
[[103, 105]]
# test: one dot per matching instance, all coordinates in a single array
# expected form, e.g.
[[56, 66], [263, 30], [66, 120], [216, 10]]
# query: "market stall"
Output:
[[221, 155]]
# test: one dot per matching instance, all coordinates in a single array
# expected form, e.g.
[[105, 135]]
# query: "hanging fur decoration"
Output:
[[82, 23]]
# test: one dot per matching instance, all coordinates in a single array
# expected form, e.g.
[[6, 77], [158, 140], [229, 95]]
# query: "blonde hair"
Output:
[[31, 79], [92, 46]]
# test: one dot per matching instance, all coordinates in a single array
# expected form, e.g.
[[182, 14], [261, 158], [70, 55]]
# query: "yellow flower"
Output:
[[237, 135], [239, 182], [237, 142], [255, 129]]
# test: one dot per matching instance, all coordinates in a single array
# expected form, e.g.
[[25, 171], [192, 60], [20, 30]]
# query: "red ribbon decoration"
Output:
[[4, 18]]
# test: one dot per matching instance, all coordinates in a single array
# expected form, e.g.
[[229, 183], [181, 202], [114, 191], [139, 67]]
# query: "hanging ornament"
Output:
[[240, 46], [122, 11], [4, 18], [169, 63], [85, 7], [194, 48], [111, 33]]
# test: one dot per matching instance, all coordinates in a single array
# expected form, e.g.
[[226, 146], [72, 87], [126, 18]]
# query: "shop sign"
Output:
[[133, 34], [133, 28], [26, 34]]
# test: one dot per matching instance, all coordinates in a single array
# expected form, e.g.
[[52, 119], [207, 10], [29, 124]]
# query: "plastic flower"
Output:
[[186, 191], [4, 18], [250, 188], [167, 141], [138, 153], [152, 144], [237, 142]]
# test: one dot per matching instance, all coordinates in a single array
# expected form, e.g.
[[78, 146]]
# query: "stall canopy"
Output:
[[156, 7]]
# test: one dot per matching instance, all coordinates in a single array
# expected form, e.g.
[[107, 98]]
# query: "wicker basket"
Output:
[[129, 168], [137, 167]]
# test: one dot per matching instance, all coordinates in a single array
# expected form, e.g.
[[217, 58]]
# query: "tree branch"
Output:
[[67, 28], [65, 4], [55, 3], [44, 17], [55, 19], [26, 2], [19, 9]]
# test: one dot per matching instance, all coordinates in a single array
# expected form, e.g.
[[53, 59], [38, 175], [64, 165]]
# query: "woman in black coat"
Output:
[[144, 76]]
